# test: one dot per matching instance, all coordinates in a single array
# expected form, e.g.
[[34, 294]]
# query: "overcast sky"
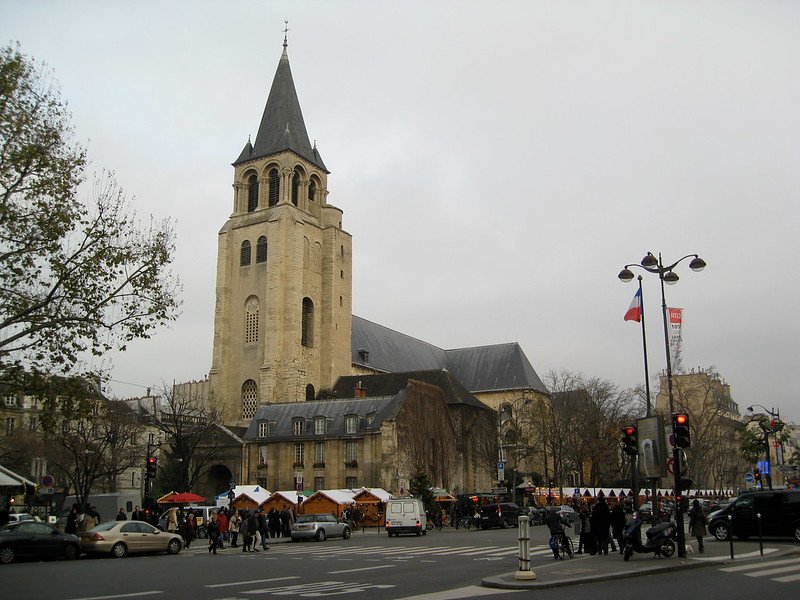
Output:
[[497, 164]]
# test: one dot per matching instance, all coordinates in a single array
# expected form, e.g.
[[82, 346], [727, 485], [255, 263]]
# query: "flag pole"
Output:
[[644, 346]]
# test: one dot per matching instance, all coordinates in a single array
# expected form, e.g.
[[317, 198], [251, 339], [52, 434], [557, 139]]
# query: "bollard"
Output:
[[760, 538], [524, 567], [730, 533]]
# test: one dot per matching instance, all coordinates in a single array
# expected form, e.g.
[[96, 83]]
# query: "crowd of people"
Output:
[[228, 525]]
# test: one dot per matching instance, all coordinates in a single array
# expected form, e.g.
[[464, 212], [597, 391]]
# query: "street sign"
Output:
[[47, 481], [749, 478], [500, 490]]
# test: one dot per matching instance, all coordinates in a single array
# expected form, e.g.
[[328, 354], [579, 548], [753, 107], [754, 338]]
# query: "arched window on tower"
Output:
[[307, 333], [261, 250], [244, 256], [295, 186], [274, 187], [312, 190], [251, 320], [249, 399], [309, 392], [252, 193]]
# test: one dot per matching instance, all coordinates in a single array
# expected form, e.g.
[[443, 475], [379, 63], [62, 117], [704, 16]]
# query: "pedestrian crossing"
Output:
[[404, 552], [782, 571]]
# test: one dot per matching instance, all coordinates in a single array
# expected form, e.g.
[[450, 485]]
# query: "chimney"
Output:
[[360, 392]]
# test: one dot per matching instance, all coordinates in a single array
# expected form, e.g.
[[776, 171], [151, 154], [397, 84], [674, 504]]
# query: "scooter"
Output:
[[660, 539]]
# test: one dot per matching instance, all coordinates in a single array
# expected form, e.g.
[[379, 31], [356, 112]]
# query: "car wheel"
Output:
[[321, 535], [667, 549], [6, 555], [173, 547], [346, 533], [119, 550], [71, 552], [721, 531]]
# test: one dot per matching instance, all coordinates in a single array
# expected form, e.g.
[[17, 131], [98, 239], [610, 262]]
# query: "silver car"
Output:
[[319, 527]]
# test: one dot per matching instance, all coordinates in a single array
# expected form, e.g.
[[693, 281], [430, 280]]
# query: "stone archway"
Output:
[[217, 481]]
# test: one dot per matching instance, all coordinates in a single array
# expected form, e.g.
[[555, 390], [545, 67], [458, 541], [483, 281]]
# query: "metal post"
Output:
[[760, 538], [769, 462], [730, 533], [675, 450], [524, 565]]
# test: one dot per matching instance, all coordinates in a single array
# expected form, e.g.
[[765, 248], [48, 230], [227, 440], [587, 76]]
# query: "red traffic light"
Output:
[[629, 430], [151, 460], [681, 419]]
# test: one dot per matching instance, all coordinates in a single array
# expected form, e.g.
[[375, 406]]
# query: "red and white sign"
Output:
[[671, 466], [675, 320]]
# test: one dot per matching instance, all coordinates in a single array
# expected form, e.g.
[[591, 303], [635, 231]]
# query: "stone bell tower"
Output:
[[284, 270]]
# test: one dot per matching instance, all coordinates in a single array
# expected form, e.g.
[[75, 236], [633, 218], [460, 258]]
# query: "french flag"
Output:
[[635, 309]]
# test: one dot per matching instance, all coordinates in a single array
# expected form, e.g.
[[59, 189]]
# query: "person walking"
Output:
[[697, 524], [601, 525], [618, 526], [172, 520], [263, 530], [274, 519], [72, 521], [187, 529], [234, 525], [213, 534], [586, 539], [250, 526], [138, 514], [121, 515]]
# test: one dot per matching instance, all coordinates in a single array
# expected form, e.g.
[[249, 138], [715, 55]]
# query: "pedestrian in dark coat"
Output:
[[263, 530], [213, 534], [72, 521], [274, 519], [618, 525], [250, 527], [601, 525], [697, 524], [187, 530]]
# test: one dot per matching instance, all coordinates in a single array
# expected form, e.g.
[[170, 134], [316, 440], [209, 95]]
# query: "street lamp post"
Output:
[[774, 426], [666, 274]]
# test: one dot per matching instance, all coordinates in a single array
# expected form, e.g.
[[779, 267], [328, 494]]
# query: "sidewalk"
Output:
[[586, 568]]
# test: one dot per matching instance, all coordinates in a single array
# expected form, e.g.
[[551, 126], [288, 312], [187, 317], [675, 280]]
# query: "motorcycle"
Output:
[[661, 539]]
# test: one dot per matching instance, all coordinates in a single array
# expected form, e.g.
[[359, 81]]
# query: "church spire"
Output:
[[282, 126]]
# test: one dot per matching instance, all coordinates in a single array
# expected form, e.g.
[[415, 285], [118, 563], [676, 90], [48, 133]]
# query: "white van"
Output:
[[405, 515]]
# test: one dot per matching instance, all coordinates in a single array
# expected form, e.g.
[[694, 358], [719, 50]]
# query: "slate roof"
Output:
[[387, 384], [479, 368], [283, 414], [282, 125]]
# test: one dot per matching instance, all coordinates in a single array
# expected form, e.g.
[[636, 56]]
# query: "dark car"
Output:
[[31, 539], [503, 514], [779, 512]]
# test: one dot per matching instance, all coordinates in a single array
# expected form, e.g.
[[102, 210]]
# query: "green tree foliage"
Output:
[[75, 276], [420, 487]]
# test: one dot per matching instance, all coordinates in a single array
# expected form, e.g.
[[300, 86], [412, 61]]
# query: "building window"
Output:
[[33, 424], [10, 425], [252, 193], [351, 452], [319, 455], [251, 320], [319, 483], [298, 455], [263, 429], [274, 193], [310, 393], [307, 333], [312, 190], [297, 427], [351, 424], [261, 250], [295, 186], [351, 483], [249, 399], [10, 400], [263, 454], [244, 255], [262, 481], [319, 425]]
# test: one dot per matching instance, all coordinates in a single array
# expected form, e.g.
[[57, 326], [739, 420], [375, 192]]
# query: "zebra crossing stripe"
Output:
[[787, 578], [760, 565], [769, 572]]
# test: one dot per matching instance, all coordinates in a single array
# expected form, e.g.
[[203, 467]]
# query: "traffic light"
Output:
[[757, 478], [152, 467], [630, 440], [680, 429]]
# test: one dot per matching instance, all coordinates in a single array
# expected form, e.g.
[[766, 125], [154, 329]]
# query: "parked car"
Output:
[[17, 517], [502, 514], [779, 510], [32, 539], [319, 527], [120, 538]]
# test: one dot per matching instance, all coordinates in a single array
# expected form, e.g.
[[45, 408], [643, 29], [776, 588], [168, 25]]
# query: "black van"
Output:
[[503, 515], [779, 510]]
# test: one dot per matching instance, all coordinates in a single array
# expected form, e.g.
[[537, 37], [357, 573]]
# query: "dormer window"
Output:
[[370, 418], [351, 424], [263, 429], [320, 425], [297, 427]]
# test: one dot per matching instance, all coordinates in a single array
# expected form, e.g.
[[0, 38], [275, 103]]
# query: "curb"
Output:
[[508, 582]]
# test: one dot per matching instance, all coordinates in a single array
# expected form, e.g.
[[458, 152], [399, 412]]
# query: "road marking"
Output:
[[760, 565], [787, 578], [769, 572], [320, 588], [252, 581], [725, 557], [361, 569], [472, 591], [131, 595]]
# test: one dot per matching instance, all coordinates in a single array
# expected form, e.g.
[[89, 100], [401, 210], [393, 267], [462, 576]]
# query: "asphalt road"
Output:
[[440, 566]]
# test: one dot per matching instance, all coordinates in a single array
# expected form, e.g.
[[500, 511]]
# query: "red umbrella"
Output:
[[184, 498]]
